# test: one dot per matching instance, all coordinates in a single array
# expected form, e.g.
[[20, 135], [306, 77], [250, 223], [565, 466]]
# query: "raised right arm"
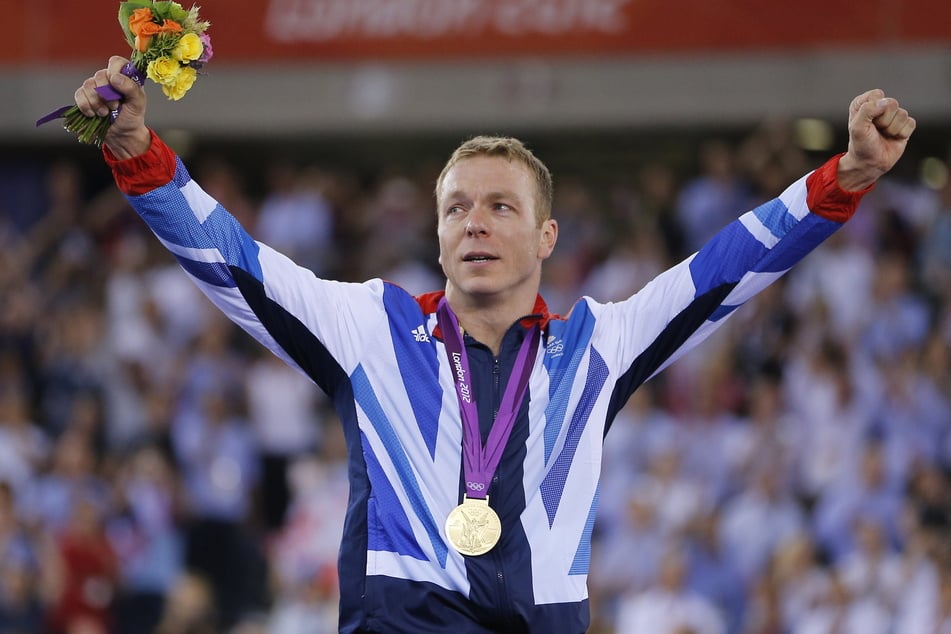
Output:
[[316, 325]]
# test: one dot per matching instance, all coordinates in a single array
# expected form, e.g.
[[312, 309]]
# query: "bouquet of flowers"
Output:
[[169, 44]]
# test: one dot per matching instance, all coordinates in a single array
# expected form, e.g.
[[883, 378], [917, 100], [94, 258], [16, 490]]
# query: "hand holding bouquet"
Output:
[[169, 46]]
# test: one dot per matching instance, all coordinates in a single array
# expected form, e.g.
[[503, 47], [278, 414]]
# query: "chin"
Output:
[[479, 289]]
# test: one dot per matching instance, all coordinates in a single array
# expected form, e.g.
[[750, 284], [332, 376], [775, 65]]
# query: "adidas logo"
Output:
[[419, 333]]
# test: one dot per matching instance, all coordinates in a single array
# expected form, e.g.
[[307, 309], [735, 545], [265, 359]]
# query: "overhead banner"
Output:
[[44, 32]]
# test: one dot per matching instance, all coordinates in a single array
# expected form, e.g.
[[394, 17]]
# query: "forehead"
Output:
[[484, 175]]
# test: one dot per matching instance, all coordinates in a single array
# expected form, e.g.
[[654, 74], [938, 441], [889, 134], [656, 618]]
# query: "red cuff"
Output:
[[141, 174], [824, 196]]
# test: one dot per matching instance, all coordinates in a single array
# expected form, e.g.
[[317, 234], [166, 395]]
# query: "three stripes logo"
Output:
[[420, 334]]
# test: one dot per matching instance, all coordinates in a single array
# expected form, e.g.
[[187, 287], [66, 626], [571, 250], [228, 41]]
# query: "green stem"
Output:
[[91, 130]]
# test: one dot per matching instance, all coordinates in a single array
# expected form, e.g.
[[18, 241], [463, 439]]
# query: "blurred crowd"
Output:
[[159, 472]]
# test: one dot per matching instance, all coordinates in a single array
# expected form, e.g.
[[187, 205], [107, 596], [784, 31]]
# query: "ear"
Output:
[[547, 238]]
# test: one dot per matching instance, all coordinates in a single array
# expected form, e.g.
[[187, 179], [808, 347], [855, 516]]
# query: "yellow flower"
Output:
[[164, 71], [189, 48], [183, 81]]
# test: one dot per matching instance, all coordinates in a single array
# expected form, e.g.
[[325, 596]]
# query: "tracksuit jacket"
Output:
[[376, 351]]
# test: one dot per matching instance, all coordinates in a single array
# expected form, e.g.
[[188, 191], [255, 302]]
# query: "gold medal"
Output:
[[473, 528]]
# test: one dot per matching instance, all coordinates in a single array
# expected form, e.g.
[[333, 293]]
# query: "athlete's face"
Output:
[[490, 242]]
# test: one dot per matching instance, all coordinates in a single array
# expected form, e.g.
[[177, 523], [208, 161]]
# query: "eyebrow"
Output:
[[496, 195]]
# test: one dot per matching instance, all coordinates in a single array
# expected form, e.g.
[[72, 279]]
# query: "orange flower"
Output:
[[137, 21], [143, 26], [138, 18]]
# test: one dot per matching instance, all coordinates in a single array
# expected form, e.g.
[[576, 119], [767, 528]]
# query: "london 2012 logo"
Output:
[[465, 393]]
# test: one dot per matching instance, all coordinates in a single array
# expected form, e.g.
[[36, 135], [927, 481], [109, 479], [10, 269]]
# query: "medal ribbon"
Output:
[[479, 463]]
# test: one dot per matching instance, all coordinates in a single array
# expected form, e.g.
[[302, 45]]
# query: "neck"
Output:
[[487, 322]]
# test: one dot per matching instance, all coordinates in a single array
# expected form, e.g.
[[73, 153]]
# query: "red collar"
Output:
[[540, 315]]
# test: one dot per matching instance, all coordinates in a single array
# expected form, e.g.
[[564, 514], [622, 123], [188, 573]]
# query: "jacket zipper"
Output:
[[503, 603]]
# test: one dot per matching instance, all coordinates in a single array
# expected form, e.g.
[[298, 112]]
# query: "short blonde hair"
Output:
[[513, 150]]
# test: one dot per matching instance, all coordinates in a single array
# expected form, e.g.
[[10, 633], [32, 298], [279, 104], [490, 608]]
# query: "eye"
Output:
[[454, 209], [502, 207]]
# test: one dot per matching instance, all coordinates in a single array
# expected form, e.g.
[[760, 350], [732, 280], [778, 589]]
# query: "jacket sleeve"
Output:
[[307, 321], [686, 304]]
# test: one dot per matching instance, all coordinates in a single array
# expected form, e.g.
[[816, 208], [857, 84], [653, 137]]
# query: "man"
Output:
[[474, 419]]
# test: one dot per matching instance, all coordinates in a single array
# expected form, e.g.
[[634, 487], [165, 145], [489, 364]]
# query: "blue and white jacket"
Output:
[[377, 353]]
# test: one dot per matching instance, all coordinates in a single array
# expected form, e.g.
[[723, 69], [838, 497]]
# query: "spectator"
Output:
[[47, 505], [81, 573], [899, 320], [709, 201], [146, 537], [283, 412], [757, 521], [627, 560], [713, 574], [874, 568], [214, 447], [304, 553], [870, 494], [801, 582], [23, 445], [20, 607], [669, 607], [190, 608], [839, 611], [295, 217]]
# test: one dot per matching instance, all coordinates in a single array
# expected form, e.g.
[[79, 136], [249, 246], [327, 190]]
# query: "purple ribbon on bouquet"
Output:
[[107, 92]]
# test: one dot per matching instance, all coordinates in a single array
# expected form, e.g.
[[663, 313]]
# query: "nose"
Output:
[[476, 223]]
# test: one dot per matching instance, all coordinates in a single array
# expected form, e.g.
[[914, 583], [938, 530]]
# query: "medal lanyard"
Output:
[[480, 463]]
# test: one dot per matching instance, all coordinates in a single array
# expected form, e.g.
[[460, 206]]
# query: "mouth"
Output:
[[478, 257]]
